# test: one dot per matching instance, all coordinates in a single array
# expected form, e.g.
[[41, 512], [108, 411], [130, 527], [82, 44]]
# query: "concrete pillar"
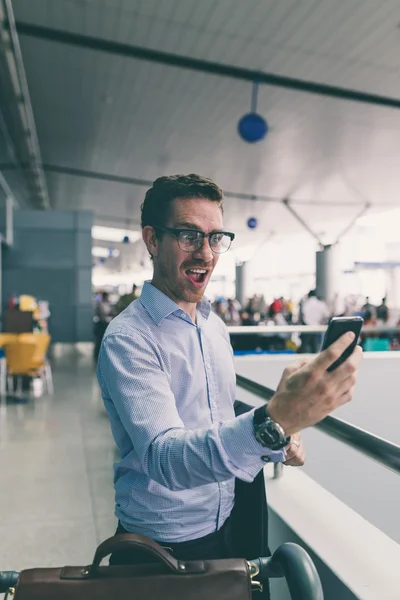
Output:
[[1, 276], [328, 274], [393, 275], [52, 260], [241, 283], [394, 289]]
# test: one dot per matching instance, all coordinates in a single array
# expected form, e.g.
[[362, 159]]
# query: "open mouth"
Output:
[[197, 276]]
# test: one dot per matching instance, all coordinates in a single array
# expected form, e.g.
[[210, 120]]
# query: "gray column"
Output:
[[327, 274], [241, 283], [1, 277], [394, 289], [52, 260]]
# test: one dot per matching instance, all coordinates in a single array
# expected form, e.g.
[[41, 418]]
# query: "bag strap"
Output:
[[133, 541]]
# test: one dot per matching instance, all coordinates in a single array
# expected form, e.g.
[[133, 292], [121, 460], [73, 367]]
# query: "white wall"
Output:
[[365, 486], [280, 533]]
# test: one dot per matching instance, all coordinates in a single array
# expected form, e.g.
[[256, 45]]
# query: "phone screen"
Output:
[[336, 328]]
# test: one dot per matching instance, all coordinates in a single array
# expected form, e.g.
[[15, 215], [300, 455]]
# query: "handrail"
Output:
[[384, 452], [294, 563], [8, 579], [260, 329]]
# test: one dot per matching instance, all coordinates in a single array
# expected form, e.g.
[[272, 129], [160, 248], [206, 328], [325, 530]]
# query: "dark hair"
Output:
[[164, 190]]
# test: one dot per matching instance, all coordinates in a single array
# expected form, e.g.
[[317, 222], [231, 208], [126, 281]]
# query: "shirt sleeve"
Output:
[[131, 374]]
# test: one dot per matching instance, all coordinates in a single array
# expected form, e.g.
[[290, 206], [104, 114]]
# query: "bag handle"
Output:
[[133, 541]]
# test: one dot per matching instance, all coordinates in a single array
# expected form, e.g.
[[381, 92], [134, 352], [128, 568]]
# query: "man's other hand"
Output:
[[295, 452], [307, 393]]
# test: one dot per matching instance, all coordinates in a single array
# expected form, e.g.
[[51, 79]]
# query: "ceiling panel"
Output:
[[350, 44], [112, 114], [127, 117]]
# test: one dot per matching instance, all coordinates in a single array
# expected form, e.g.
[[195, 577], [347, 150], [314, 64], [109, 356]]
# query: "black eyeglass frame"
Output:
[[177, 232]]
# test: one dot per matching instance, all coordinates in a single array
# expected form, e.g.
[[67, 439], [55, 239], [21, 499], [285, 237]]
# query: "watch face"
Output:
[[269, 436]]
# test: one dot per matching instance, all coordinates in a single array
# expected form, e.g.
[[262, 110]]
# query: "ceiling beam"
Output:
[[205, 66], [109, 177], [11, 49]]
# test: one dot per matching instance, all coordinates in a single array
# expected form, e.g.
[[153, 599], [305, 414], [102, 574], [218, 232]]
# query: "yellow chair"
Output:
[[40, 365], [5, 338], [27, 356], [19, 357]]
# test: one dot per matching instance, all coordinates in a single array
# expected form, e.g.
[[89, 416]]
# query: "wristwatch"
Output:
[[268, 433]]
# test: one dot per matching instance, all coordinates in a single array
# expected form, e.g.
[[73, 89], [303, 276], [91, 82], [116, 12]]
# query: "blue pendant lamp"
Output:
[[252, 223], [252, 127]]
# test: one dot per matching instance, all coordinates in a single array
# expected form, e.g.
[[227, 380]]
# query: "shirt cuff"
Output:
[[246, 454]]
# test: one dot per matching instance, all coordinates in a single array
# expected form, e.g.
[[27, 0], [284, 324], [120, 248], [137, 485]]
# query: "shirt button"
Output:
[[266, 459]]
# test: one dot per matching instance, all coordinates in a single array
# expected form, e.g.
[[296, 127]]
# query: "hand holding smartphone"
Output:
[[337, 327], [307, 393]]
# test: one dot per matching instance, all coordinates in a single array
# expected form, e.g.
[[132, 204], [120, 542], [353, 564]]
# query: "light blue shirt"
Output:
[[168, 386]]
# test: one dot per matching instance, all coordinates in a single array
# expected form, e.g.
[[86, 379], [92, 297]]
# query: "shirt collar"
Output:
[[159, 306]]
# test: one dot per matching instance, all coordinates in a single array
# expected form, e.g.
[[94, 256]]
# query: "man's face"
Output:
[[173, 267]]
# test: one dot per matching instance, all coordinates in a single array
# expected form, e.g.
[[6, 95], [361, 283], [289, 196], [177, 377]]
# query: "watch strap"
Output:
[[260, 414]]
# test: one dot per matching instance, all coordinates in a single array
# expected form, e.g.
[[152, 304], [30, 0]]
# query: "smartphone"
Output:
[[336, 328]]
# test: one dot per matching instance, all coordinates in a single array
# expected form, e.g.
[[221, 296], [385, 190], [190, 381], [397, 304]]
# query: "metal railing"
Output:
[[268, 329], [385, 453], [293, 563]]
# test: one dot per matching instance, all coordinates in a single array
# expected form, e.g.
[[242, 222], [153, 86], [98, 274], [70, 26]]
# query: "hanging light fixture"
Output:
[[252, 223], [252, 127]]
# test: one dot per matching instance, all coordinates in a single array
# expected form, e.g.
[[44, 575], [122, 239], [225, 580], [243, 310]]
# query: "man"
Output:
[[168, 382], [314, 312], [125, 300], [382, 313], [368, 310], [232, 316], [103, 316]]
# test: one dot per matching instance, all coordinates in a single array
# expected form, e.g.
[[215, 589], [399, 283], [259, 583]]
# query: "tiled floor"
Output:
[[56, 456]]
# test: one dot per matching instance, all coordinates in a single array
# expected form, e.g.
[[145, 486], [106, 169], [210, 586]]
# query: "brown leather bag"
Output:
[[157, 576]]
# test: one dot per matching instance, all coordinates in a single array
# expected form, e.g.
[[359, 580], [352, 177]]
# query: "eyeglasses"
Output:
[[190, 240]]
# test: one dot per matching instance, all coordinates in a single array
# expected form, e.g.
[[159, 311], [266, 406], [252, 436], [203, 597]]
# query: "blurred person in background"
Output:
[[247, 319], [251, 314], [262, 306], [104, 313], [232, 316], [314, 312], [350, 305], [288, 310], [382, 313], [338, 306], [219, 309], [126, 299], [369, 311], [276, 307]]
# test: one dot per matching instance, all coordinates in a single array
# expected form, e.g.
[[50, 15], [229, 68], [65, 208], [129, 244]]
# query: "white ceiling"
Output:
[[113, 114]]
